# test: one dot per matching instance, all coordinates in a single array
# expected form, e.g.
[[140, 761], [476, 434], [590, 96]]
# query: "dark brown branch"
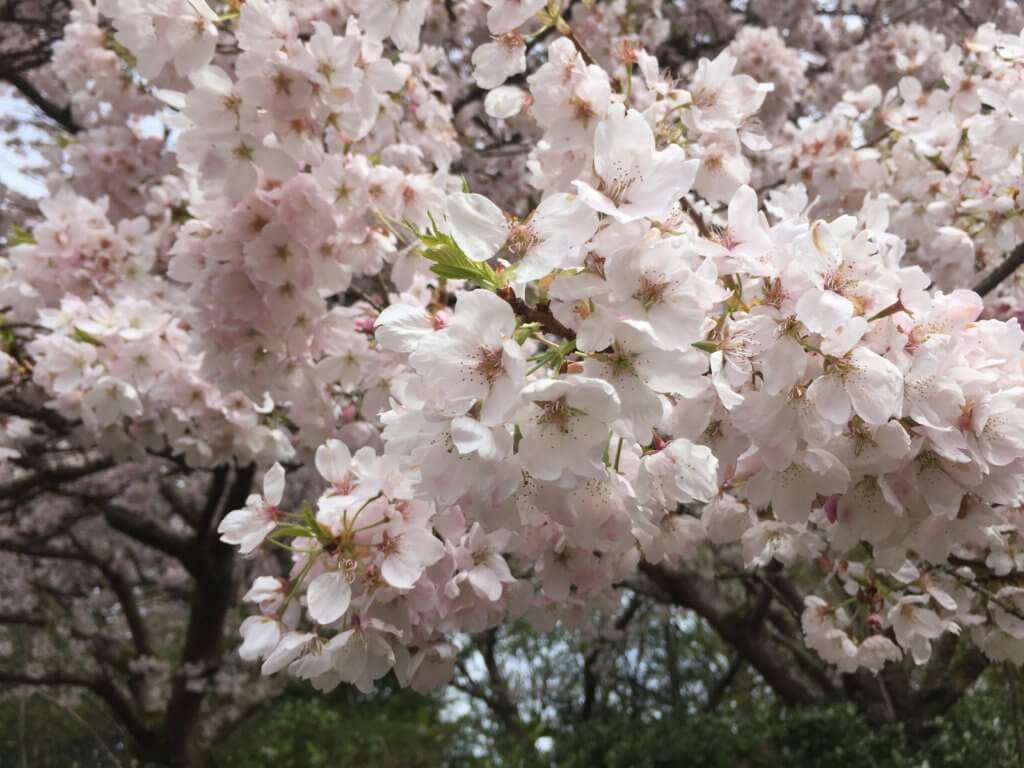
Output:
[[698, 220], [125, 594], [60, 115], [501, 704], [717, 693], [1009, 265], [137, 527], [214, 496], [702, 596], [21, 619], [540, 314], [47, 478]]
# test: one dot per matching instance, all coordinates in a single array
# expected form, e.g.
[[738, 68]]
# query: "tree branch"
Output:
[[540, 314], [135, 526], [102, 687], [703, 597], [1009, 265], [60, 115]]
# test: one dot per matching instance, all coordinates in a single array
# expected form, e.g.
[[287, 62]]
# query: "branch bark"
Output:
[[702, 596], [60, 115], [212, 597], [1009, 265]]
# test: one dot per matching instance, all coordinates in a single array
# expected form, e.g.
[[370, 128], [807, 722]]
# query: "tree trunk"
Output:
[[212, 598]]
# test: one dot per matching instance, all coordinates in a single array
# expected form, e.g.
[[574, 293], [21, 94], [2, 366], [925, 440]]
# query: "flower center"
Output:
[[555, 412], [521, 239], [651, 291], [490, 363]]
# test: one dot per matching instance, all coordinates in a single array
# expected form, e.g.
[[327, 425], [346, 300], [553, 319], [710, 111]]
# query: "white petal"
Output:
[[333, 460], [477, 225], [273, 485], [328, 597], [401, 570]]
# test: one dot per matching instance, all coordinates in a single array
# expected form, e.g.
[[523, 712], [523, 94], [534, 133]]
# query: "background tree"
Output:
[[155, 354]]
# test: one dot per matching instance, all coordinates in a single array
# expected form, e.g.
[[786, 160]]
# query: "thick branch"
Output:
[[144, 531], [125, 594], [992, 280], [53, 476], [60, 115], [703, 597], [501, 702]]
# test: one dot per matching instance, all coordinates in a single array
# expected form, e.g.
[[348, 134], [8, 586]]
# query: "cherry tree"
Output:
[[556, 301]]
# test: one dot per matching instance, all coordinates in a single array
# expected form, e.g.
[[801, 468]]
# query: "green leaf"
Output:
[[451, 262], [85, 337], [293, 531], [20, 236], [454, 272]]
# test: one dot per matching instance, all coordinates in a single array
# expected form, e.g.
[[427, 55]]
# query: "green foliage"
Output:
[[392, 728], [752, 733], [451, 263], [38, 731], [85, 337], [19, 236]]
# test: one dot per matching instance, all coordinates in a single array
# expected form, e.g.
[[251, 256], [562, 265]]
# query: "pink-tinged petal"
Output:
[[328, 597], [401, 570], [668, 180], [276, 163], [506, 15], [729, 397], [246, 528], [423, 545], [505, 101], [255, 537], [794, 493], [743, 214], [241, 179], [470, 436], [875, 387], [830, 399], [485, 582], [496, 562], [623, 145], [563, 223]]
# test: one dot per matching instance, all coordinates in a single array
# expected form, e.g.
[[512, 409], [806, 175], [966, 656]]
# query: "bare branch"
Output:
[[992, 280]]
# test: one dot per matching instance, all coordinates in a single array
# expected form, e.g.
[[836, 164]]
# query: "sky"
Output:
[[13, 160]]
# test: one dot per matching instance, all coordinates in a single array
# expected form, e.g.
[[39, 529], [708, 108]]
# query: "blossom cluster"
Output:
[[942, 149], [517, 398]]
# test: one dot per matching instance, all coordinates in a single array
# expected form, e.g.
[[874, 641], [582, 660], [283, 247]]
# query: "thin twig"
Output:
[[698, 220]]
